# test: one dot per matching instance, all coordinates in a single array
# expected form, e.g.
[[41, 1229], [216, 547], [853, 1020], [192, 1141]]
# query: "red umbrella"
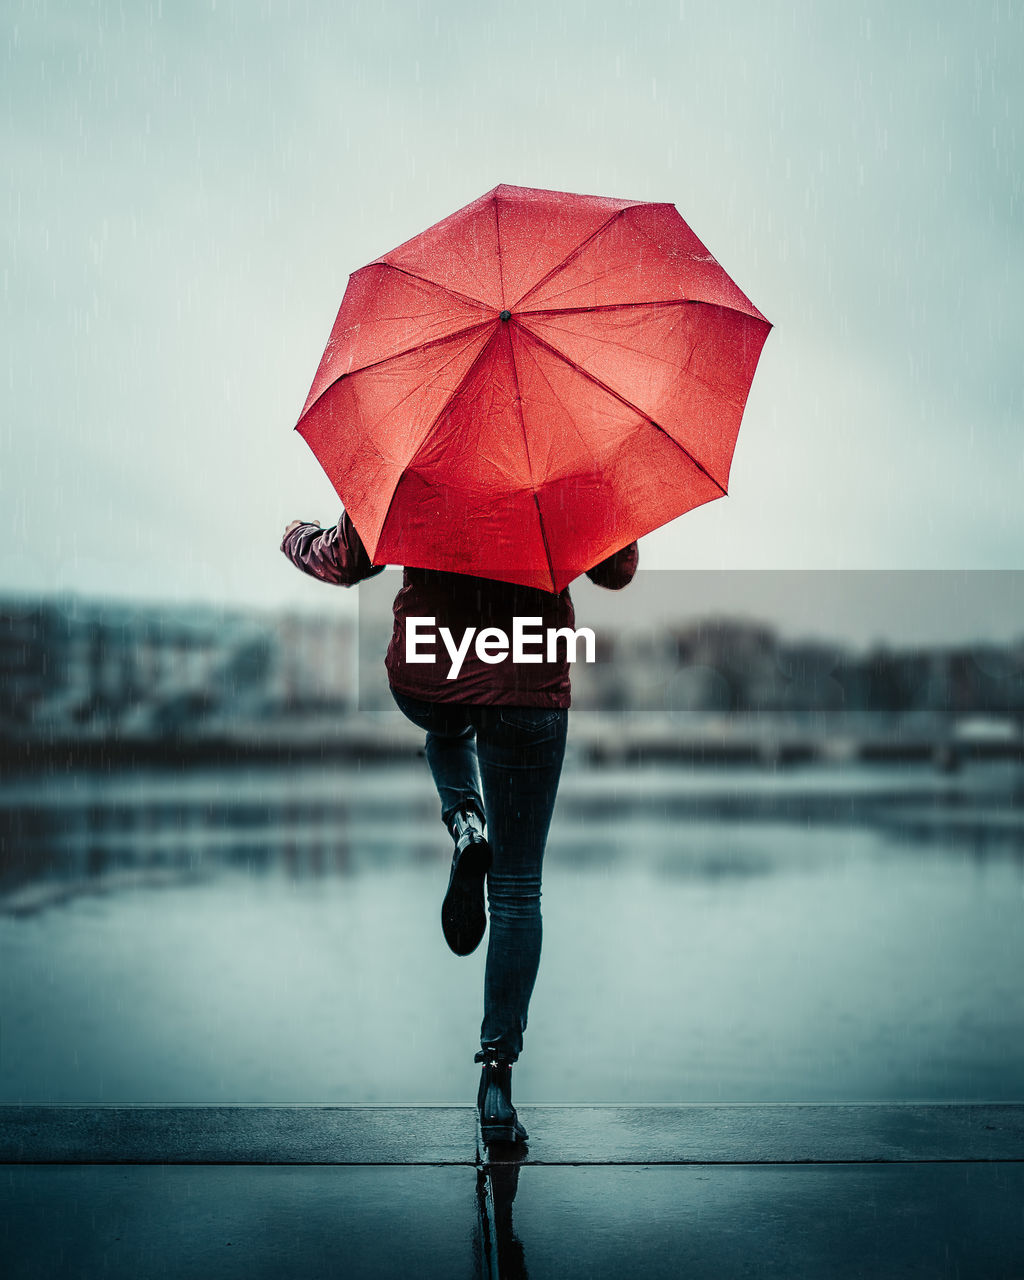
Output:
[[531, 384]]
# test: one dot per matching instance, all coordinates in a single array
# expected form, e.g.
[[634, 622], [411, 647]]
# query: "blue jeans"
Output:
[[507, 761]]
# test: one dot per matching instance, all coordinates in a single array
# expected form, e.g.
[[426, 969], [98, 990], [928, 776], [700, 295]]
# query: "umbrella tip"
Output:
[[505, 315]]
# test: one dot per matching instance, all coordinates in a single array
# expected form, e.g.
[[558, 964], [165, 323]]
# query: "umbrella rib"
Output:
[[453, 293], [433, 423], [455, 391], [622, 400], [627, 306], [497, 241], [744, 315], [426, 432], [419, 346], [569, 256], [544, 540], [526, 447]]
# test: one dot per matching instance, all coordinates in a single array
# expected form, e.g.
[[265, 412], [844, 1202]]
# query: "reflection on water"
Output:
[[496, 1193], [272, 935]]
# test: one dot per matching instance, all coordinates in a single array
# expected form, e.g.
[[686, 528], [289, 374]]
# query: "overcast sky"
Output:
[[191, 184]]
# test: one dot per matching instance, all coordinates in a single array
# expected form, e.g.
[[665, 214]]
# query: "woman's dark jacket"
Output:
[[457, 601]]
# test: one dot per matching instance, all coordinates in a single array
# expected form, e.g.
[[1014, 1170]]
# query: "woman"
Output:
[[495, 742]]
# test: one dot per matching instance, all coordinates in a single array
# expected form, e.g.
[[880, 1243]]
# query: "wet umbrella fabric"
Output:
[[531, 384]]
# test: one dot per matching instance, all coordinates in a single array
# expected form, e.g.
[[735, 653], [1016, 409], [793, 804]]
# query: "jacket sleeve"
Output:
[[335, 555], [618, 570]]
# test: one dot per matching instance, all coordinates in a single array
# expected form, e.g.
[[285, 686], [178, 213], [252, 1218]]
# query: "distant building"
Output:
[[92, 668]]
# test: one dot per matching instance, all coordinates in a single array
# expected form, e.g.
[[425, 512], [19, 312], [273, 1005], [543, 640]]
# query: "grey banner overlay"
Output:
[[685, 642]]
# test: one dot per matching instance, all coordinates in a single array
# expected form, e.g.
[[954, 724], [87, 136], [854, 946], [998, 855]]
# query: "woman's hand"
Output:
[[295, 524]]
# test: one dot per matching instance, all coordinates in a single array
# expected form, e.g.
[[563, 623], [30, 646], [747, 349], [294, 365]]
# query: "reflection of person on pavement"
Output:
[[495, 739], [503, 1179]]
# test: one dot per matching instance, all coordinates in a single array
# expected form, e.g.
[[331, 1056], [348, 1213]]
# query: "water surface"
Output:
[[272, 935]]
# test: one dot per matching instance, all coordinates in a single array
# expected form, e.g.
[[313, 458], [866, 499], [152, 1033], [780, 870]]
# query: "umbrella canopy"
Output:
[[531, 384]]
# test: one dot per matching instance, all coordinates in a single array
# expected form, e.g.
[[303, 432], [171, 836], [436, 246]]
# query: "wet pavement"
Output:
[[704, 1190]]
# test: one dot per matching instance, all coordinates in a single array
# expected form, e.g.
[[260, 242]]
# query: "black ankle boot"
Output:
[[498, 1119], [463, 916]]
